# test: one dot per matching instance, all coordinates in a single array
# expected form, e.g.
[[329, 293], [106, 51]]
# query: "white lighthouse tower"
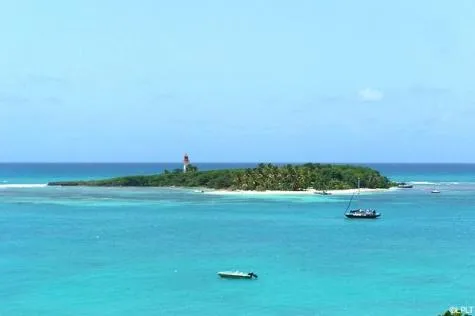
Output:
[[186, 162]]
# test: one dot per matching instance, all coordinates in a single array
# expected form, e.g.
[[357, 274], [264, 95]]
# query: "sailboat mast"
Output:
[[357, 201], [353, 196]]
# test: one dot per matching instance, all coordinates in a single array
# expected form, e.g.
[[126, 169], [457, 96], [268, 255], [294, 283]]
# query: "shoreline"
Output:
[[306, 192], [211, 191]]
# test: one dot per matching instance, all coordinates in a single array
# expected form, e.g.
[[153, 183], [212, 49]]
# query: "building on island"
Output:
[[186, 162]]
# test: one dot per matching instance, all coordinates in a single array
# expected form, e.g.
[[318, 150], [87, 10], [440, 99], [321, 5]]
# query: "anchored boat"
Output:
[[360, 213], [322, 192], [404, 185], [237, 275]]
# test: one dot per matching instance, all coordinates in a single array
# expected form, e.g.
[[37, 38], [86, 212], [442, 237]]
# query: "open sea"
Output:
[[153, 251]]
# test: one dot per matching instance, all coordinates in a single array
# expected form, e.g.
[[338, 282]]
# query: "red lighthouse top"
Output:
[[186, 160]]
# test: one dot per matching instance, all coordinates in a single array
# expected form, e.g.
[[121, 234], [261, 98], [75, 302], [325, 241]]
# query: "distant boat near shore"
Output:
[[322, 192], [434, 190], [404, 185]]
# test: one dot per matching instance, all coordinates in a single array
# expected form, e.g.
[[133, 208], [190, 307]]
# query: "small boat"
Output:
[[237, 275], [323, 193], [360, 213], [404, 185], [434, 189]]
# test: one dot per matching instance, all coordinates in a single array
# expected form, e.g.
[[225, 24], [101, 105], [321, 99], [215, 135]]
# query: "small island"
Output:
[[264, 177]]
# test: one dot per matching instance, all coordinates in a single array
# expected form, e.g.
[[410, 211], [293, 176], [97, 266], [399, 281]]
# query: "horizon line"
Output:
[[222, 162]]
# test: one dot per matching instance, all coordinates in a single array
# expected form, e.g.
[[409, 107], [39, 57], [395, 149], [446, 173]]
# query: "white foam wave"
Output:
[[22, 185], [439, 183], [421, 182]]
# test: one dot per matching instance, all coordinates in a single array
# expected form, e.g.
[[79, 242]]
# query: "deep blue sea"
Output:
[[151, 251]]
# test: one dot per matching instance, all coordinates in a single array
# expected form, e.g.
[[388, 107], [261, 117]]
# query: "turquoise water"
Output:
[[147, 251]]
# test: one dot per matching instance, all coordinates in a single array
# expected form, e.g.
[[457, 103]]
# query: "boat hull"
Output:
[[362, 217], [236, 275]]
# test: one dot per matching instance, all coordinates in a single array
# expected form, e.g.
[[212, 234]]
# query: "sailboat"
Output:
[[360, 213], [434, 190]]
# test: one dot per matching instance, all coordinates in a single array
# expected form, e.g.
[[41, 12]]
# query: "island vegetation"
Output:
[[261, 178]]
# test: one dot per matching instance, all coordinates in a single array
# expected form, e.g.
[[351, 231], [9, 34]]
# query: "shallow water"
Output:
[[147, 251]]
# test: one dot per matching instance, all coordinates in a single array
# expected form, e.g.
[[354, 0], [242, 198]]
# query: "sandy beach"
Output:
[[306, 192]]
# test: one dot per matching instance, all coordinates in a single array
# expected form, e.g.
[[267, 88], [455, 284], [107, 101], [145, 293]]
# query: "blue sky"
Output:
[[333, 81]]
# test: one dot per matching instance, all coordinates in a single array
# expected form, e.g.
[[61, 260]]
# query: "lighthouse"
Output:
[[186, 162]]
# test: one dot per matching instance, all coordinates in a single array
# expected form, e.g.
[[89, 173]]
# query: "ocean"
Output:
[[155, 251]]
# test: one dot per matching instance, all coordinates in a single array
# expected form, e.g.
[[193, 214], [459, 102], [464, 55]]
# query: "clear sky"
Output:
[[257, 80]]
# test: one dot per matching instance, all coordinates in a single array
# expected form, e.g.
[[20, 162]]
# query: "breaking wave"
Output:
[[22, 185], [421, 183], [439, 183]]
